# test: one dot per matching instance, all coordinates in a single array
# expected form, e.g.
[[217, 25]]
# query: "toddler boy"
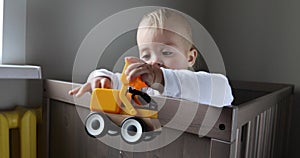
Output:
[[166, 50]]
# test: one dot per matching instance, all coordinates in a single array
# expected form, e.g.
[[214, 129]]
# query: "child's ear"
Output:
[[191, 56]]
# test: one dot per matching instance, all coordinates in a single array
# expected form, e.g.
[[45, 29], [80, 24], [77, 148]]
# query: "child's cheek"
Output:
[[171, 65], [179, 64]]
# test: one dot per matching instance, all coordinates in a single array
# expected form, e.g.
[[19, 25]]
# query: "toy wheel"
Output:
[[95, 124], [132, 131]]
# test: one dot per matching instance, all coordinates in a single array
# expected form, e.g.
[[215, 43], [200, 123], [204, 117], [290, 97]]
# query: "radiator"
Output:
[[25, 120]]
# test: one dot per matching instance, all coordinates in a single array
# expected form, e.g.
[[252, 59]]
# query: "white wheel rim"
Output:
[[131, 138], [94, 118]]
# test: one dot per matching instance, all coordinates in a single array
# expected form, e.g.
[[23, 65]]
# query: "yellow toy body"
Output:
[[110, 100], [105, 100]]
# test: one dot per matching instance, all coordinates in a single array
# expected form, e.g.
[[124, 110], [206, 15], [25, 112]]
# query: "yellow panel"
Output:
[[125, 84], [144, 113], [106, 100]]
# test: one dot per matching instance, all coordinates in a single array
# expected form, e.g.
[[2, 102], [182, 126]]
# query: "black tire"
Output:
[[96, 125], [132, 130]]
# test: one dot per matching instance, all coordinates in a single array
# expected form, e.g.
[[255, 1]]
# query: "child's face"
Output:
[[165, 49]]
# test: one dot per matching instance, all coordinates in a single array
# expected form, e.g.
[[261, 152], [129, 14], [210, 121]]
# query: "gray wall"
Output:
[[56, 28], [14, 92], [259, 40], [19, 92], [14, 31]]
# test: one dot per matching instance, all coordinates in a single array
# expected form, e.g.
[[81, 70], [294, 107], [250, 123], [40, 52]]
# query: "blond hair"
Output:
[[160, 19]]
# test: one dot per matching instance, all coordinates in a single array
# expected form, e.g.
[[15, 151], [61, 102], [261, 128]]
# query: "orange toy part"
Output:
[[137, 83]]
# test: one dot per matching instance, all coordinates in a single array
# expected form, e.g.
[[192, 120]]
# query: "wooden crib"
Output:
[[255, 126]]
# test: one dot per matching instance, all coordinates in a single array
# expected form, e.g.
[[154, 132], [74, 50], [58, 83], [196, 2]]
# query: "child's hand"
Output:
[[152, 75], [97, 82]]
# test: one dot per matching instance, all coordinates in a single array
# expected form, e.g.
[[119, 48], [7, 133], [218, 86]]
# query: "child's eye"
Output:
[[167, 53], [146, 57]]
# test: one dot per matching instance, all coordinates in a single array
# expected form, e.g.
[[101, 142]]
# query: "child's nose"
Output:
[[157, 62]]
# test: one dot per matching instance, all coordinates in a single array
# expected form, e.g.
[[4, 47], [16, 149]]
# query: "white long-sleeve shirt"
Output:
[[201, 87]]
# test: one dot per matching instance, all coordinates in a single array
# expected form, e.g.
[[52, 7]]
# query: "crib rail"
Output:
[[58, 90], [256, 125]]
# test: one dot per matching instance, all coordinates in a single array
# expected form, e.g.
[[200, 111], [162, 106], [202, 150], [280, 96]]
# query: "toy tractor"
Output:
[[128, 112]]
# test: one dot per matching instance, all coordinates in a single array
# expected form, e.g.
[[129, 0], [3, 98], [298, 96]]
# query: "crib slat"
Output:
[[271, 122], [258, 151], [263, 134], [271, 117], [256, 136], [252, 138], [248, 138], [239, 142], [274, 127], [266, 135], [244, 140]]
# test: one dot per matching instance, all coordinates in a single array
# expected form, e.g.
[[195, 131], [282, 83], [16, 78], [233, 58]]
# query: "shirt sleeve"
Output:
[[114, 77], [202, 87]]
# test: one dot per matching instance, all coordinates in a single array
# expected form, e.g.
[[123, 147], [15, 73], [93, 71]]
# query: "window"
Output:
[[1, 28]]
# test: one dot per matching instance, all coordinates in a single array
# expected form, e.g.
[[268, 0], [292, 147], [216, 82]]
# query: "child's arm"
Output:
[[97, 79], [202, 87]]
